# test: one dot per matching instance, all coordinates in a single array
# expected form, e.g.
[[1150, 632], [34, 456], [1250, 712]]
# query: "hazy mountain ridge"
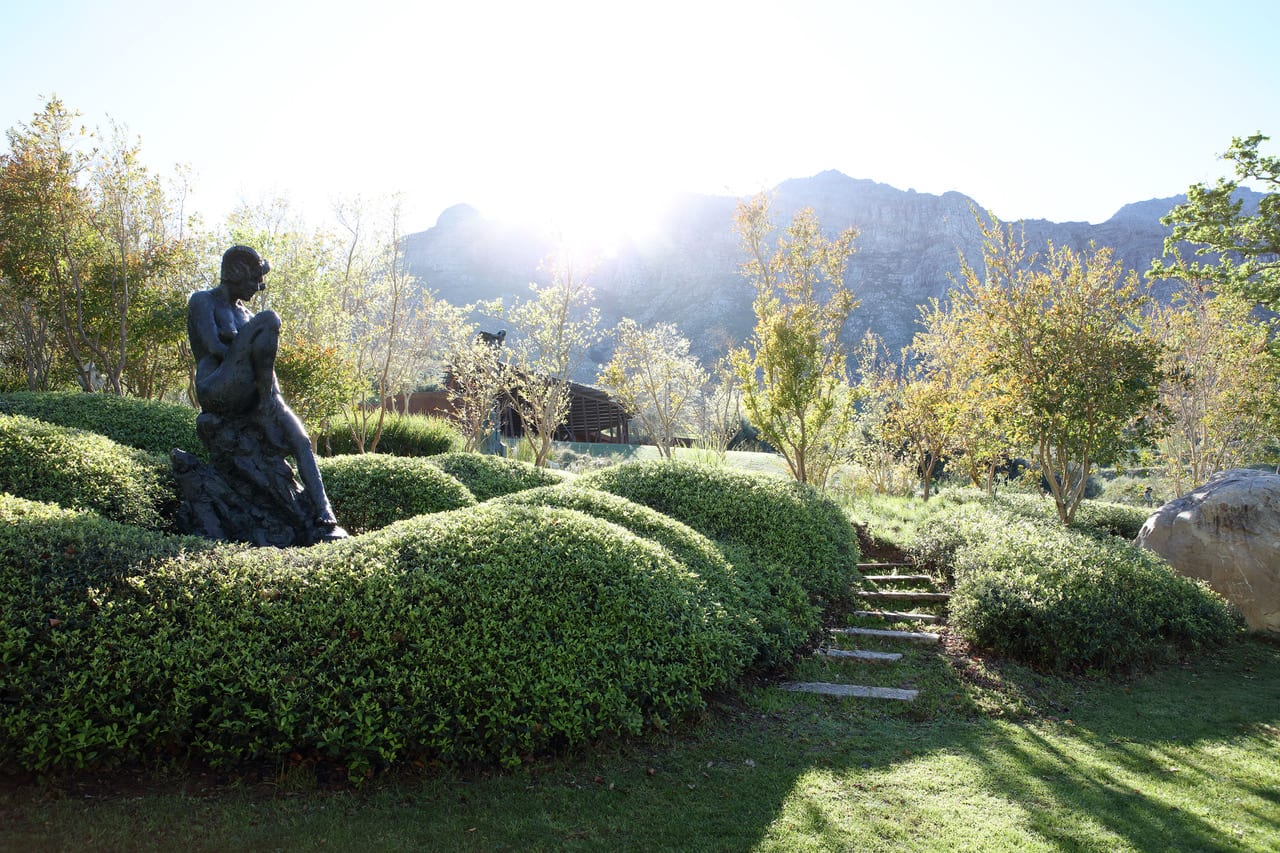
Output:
[[908, 250]]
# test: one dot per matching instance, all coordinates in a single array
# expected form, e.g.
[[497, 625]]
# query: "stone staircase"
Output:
[[916, 606]]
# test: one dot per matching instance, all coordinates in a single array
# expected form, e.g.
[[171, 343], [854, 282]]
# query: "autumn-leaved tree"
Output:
[[912, 409], [1060, 336], [975, 421], [653, 376], [1219, 379], [793, 372], [92, 254]]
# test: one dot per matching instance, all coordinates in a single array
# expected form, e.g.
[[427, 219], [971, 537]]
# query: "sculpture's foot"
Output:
[[330, 531]]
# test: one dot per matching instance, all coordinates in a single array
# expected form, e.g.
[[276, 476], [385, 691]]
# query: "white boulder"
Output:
[[1228, 533]]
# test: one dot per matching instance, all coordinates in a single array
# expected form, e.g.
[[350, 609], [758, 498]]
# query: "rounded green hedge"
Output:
[[795, 549], [1061, 599], [480, 635], [371, 490], [143, 424], [493, 476], [402, 435], [84, 470], [696, 552]]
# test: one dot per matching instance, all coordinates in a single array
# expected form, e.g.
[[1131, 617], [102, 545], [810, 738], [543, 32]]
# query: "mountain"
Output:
[[907, 251]]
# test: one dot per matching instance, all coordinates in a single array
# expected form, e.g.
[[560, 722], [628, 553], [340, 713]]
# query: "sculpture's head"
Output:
[[243, 265]]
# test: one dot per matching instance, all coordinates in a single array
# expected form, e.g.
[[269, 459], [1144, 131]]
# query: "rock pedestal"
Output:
[[247, 492], [1227, 532]]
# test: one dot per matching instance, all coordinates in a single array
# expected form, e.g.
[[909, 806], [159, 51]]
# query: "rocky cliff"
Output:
[[908, 251]]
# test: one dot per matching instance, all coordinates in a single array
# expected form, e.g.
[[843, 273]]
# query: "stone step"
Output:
[[874, 566], [913, 636], [892, 615], [860, 654], [902, 595], [827, 689], [886, 578]]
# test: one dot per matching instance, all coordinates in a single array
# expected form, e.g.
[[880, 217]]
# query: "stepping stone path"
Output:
[[885, 583]]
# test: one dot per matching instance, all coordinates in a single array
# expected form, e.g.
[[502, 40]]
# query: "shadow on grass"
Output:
[[1186, 758]]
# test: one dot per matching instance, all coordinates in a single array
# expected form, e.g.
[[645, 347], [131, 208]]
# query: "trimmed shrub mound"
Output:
[[84, 470], [793, 547], [402, 435], [1061, 599], [142, 424], [696, 552], [1111, 519], [493, 476], [369, 491], [482, 634]]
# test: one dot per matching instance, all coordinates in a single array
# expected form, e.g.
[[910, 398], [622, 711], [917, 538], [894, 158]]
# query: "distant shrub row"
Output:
[[1062, 599], [402, 435]]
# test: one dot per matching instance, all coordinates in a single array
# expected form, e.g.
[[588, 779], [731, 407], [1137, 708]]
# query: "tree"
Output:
[[652, 374], [975, 407], [718, 410], [1217, 393], [553, 328], [1214, 218], [913, 409], [91, 250], [477, 387], [793, 373], [1059, 335]]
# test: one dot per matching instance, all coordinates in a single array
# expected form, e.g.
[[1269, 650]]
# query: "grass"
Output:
[[996, 758]]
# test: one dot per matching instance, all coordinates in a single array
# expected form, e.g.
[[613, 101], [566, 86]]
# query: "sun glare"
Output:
[[590, 218]]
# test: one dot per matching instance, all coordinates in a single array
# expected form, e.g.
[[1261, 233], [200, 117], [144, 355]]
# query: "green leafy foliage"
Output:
[[1214, 219], [492, 476], [84, 676], [481, 635], [792, 373], [83, 470], [1061, 599], [793, 548], [147, 425], [696, 552], [371, 490], [402, 435]]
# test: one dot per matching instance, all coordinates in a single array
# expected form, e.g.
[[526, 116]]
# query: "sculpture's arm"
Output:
[[202, 328]]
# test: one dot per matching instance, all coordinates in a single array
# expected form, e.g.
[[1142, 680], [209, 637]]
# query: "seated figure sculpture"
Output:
[[248, 492]]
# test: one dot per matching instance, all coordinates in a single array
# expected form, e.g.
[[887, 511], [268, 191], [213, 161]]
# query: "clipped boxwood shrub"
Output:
[[1060, 599], [84, 676], [794, 548], [1111, 519], [696, 552], [144, 424], [402, 435], [778, 521], [84, 470], [371, 490], [493, 476], [480, 635]]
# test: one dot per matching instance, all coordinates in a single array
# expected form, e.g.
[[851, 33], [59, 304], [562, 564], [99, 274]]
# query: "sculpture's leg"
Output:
[[263, 332]]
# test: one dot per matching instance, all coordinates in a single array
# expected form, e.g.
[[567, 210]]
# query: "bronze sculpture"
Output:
[[248, 491]]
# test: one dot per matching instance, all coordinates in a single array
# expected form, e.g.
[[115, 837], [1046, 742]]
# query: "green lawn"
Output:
[[1187, 758]]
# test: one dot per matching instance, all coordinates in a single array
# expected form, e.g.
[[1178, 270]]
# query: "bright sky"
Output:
[[590, 113]]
